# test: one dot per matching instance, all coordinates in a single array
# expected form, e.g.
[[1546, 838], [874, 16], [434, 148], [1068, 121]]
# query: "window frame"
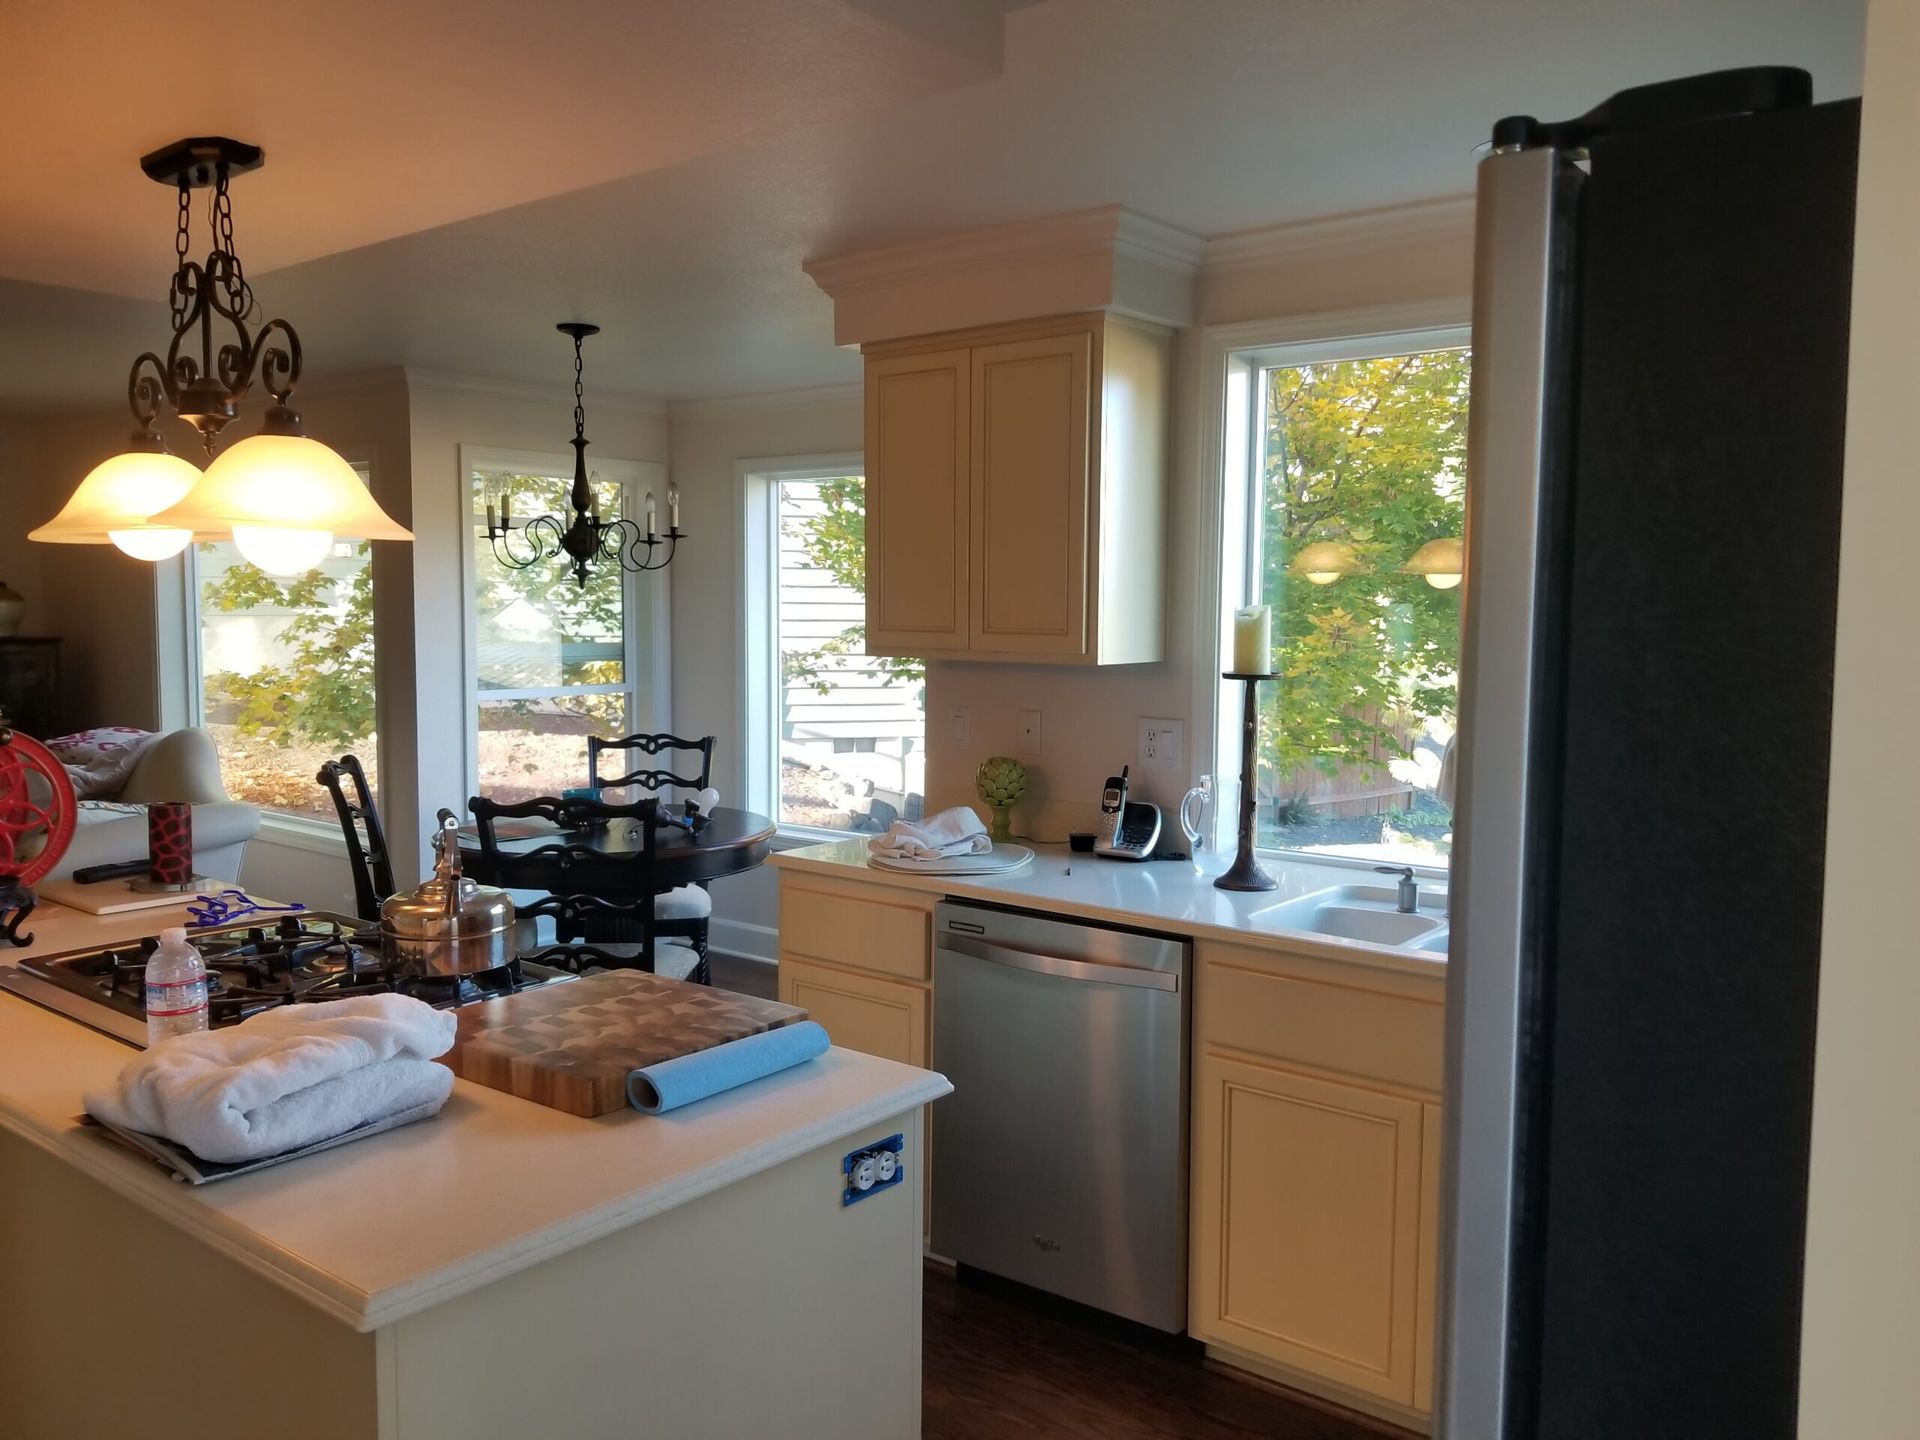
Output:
[[181, 677], [648, 653], [758, 631], [1231, 356]]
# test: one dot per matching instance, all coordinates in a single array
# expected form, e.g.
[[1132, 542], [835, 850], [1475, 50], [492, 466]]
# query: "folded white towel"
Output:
[[285, 1078], [952, 832]]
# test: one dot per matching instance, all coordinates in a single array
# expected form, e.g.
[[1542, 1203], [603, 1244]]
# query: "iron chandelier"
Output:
[[584, 536]]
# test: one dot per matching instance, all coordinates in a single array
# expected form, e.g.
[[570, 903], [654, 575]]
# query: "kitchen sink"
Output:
[[1364, 912]]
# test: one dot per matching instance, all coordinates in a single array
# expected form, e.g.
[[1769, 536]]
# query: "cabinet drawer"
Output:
[[861, 1012], [890, 939], [1390, 1038]]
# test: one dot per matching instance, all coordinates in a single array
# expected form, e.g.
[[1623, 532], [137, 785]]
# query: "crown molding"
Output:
[[528, 390], [811, 397], [1102, 229], [1105, 258], [1359, 232]]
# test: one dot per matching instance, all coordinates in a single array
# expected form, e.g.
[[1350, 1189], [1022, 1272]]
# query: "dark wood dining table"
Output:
[[722, 843]]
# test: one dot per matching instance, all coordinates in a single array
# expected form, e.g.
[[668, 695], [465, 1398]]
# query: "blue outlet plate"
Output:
[[851, 1196]]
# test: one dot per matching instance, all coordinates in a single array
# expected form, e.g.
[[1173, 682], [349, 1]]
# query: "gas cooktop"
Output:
[[296, 959]]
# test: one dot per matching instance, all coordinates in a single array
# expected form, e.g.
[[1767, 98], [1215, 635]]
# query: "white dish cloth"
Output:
[[285, 1078], [952, 832]]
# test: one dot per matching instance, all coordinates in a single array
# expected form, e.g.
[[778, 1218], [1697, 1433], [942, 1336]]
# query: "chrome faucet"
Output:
[[1409, 898]]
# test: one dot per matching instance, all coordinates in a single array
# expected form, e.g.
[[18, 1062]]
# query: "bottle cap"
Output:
[[174, 935]]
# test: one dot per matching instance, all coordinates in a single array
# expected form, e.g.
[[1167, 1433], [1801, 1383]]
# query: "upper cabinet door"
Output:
[[918, 512], [1029, 568]]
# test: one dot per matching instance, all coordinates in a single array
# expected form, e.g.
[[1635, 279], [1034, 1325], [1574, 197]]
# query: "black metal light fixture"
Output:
[[281, 496], [585, 536]]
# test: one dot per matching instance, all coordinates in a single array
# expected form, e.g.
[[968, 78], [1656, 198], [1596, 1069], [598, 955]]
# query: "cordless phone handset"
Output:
[[1113, 803]]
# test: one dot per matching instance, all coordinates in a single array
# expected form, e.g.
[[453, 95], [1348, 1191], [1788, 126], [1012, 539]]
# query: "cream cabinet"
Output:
[[1315, 1173], [1016, 483], [859, 958]]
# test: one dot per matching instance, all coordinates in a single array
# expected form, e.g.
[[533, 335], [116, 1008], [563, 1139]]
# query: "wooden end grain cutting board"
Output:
[[570, 1046]]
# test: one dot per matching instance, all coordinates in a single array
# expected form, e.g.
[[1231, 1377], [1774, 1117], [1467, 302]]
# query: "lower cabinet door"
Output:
[[868, 1013], [1306, 1224]]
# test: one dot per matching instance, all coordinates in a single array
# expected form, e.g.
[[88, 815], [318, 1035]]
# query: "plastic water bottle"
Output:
[[176, 988]]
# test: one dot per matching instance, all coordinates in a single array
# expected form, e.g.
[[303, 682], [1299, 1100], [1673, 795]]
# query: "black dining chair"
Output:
[[366, 841], [589, 929], [690, 905]]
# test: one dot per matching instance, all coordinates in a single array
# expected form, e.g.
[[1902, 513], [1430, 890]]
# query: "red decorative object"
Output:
[[170, 842], [37, 811]]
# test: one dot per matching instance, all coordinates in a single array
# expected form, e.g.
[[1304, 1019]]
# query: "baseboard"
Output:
[[1328, 1392], [749, 942]]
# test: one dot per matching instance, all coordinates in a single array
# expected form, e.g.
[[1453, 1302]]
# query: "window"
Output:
[[841, 742], [286, 671], [1344, 512], [552, 661]]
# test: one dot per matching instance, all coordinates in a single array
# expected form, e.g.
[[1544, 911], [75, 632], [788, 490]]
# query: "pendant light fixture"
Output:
[[583, 535], [282, 497], [1441, 561], [1325, 561]]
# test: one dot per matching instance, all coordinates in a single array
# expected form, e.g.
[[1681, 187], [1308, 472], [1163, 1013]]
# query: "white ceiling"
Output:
[[721, 144]]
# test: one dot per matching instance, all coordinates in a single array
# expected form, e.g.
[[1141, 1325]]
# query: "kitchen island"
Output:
[[503, 1269]]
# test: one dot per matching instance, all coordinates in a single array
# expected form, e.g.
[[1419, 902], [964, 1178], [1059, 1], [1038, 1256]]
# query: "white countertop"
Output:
[[388, 1226], [1167, 895]]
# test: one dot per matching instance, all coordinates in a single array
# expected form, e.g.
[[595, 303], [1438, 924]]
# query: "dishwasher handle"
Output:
[[1058, 965]]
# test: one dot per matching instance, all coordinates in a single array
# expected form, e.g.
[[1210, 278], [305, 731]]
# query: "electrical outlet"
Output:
[[1162, 744], [1027, 730]]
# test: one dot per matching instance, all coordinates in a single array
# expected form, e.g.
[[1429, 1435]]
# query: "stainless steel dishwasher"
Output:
[[1062, 1152]]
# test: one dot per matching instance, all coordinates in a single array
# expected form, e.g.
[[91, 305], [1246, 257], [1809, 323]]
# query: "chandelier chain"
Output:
[[579, 390], [239, 293], [178, 298]]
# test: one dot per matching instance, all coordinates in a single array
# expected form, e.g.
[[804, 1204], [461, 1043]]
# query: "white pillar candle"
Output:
[[1253, 641], [652, 529], [492, 527], [673, 507]]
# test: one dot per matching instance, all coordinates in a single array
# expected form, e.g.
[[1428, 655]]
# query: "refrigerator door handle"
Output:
[[1523, 243]]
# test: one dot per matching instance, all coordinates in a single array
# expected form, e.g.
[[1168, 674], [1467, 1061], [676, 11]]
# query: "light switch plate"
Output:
[[962, 725], [1163, 744], [1027, 734]]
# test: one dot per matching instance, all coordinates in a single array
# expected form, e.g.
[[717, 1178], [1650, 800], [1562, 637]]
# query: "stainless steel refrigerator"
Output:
[[1660, 346]]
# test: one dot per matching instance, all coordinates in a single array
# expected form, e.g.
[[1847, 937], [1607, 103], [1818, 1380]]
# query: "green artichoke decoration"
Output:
[[1000, 781]]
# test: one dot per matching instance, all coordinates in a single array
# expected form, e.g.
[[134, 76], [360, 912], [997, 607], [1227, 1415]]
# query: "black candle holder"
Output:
[[1245, 873]]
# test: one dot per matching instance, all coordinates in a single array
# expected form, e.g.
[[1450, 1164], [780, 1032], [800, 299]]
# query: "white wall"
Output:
[[1862, 1306], [708, 443]]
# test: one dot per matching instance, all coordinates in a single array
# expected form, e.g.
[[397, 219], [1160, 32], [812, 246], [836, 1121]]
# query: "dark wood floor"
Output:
[[1000, 1365]]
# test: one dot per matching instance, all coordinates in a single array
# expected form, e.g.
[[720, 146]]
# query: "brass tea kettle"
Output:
[[450, 925]]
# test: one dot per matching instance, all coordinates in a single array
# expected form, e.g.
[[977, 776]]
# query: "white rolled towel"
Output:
[[288, 1077], [952, 832]]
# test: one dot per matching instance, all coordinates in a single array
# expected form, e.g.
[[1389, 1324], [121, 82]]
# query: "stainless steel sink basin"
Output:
[[1364, 912]]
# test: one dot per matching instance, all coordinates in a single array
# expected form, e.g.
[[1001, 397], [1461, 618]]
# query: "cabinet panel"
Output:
[[894, 939], [1392, 1038], [918, 426], [880, 1017], [1427, 1319], [1307, 1208], [1030, 491]]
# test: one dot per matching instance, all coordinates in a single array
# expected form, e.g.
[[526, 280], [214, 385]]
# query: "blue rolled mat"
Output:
[[673, 1083]]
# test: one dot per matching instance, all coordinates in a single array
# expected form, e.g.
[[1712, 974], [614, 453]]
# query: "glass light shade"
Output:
[[154, 542], [280, 550], [1441, 562], [283, 482], [1325, 561], [116, 501]]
